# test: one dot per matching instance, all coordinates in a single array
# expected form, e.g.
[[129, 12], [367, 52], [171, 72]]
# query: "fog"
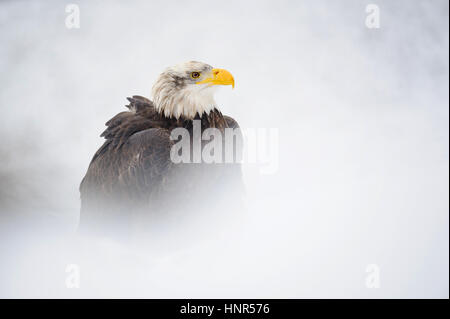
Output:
[[362, 150]]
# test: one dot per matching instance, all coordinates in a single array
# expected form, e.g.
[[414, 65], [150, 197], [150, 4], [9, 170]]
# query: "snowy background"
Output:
[[363, 152]]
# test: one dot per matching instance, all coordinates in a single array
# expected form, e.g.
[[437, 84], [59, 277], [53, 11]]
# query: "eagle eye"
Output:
[[195, 75]]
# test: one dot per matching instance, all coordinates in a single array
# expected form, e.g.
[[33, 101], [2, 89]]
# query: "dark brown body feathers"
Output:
[[132, 172]]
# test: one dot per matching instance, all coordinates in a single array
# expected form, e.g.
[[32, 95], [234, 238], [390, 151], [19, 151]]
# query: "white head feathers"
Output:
[[177, 93]]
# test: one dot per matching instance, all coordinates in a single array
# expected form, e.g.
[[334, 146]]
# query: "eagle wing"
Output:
[[147, 158], [130, 166], [231, 122]]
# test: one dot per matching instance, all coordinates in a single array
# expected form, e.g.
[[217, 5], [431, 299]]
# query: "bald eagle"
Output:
[[133, 177]]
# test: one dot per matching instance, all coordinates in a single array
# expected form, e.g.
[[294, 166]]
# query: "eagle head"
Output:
[[188, 88]]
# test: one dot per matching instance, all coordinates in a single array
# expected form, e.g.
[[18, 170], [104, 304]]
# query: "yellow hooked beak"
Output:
[[219, 77]]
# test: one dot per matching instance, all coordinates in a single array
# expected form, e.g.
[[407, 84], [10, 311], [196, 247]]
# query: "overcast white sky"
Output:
[[363, 154]]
